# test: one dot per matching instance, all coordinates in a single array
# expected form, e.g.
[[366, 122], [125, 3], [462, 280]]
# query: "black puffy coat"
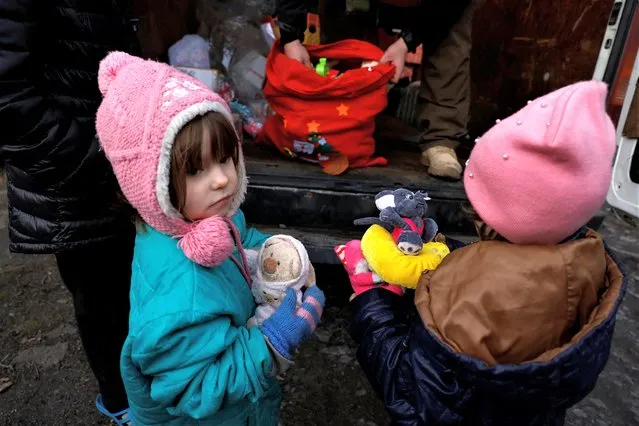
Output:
[[61, 191]]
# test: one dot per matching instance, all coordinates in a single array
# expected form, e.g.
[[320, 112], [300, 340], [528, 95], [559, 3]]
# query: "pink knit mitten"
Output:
[[358, 270]]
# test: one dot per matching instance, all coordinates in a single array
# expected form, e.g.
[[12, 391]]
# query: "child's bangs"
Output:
[[223, 140], [195, 152]]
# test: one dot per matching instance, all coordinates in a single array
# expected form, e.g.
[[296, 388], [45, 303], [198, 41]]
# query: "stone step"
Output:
[[287, 196], [296, 194]]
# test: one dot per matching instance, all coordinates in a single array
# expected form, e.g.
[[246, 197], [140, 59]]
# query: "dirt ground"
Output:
[[45, 380]]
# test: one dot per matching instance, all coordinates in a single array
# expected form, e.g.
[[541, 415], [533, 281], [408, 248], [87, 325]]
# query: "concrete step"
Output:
[[296, 198], [298, 194]]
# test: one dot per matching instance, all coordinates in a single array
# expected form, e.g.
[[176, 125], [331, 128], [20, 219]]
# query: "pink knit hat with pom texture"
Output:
[[542, 173], [145, 105]]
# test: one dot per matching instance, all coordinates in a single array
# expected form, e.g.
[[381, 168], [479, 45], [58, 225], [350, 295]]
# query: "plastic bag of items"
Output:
[[191, 51], [239, 47]]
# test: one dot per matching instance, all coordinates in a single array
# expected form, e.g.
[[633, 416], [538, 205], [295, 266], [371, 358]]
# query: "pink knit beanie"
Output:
[[145, 105], [542, 173]]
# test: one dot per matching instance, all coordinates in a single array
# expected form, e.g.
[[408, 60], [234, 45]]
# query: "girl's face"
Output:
[[211, 188], [204, 180]]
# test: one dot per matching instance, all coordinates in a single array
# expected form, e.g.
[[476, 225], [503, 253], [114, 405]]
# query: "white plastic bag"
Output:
[[190, 51]]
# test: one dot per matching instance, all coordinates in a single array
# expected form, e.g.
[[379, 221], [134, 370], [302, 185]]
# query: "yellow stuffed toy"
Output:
[[392, 265]]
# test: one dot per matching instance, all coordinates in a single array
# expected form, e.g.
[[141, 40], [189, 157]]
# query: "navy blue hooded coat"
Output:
[[420, 365]]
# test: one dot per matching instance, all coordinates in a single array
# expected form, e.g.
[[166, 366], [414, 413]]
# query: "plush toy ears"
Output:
[[425, 194], [385, 199], [310, 280], [275, 239]]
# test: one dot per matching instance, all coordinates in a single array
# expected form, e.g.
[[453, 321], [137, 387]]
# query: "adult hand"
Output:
[[396, 55], [296, 50]]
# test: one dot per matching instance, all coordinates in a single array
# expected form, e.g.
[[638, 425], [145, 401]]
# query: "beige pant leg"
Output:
[[445, 89]]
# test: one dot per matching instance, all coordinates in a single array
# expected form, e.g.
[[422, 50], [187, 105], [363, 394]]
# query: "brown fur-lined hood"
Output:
[[508, 304]]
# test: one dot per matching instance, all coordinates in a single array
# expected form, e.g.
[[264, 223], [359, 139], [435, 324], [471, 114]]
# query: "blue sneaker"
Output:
[[121, 418]]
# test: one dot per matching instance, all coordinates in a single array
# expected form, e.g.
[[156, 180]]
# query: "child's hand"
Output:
[[288, 327], [366, 281], [359, 273]]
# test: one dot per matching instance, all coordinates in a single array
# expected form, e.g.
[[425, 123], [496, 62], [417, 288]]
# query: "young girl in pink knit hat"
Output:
[[189, 357], [516, 328]]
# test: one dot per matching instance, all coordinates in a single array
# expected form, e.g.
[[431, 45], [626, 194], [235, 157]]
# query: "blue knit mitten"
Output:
[[289, 326]]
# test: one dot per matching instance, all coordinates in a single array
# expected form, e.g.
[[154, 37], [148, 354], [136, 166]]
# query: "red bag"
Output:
[[327, 120]]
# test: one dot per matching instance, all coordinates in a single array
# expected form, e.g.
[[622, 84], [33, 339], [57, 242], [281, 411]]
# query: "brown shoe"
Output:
[[442, 162]]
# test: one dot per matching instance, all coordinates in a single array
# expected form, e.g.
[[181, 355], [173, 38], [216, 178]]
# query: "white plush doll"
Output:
[[281, 263]]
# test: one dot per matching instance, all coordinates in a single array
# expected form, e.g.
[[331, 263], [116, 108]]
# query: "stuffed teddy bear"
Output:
[[282, 262], [402, 213]]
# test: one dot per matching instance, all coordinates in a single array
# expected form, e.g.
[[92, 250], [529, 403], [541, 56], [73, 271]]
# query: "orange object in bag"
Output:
[[327, 120]]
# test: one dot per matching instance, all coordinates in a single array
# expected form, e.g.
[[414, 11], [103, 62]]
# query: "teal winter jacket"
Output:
[[189, 358]]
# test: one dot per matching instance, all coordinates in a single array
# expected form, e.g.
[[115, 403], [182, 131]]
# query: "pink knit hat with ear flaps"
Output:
[[145, 105], [542, 173]]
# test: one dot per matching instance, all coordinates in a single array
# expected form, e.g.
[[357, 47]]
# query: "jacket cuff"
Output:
[[289, 33], [412, 39], [374, 307], [373, 295], [280, 364]]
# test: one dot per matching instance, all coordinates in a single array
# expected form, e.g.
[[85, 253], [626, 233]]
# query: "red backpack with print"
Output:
[[327, 120]]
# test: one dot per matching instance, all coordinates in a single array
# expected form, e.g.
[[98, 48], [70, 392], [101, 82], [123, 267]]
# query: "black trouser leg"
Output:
[[99, 279]]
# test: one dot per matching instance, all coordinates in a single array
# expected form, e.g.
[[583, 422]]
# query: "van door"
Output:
[[624, 188], [618, 65]]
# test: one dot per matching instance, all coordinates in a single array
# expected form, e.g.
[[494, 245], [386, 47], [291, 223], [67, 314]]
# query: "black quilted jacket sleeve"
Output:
[[62, 193], [415, 387], [291, 17], [382, 332], [29, 118]]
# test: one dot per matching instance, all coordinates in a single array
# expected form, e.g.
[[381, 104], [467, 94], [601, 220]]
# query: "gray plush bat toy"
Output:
[[403, 214]]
